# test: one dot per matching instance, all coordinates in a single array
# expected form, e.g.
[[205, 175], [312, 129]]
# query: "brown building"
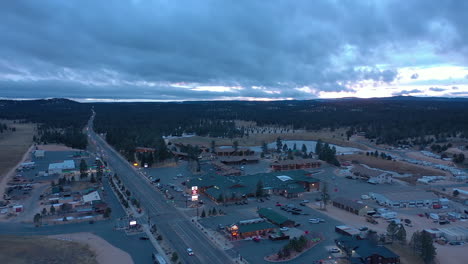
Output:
[[351, 206], [239, 160], [223, 152], [296, 164], [366, 252]]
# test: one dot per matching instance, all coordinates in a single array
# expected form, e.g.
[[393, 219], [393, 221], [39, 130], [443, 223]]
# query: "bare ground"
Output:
[[105, 253], [257, 139], [39, 250], [390, 165]]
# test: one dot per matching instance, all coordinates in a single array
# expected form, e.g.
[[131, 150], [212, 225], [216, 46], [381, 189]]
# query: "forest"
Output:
[[395, 120], [59, 120]]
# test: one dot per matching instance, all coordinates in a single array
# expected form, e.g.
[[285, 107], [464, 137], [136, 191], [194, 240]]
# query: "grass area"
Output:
[[13, 145], [257, 139], [405, 253], [390, 165], [38, 250]]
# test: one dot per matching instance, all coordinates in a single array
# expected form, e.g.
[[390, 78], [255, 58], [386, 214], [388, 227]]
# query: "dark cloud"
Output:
[[414, 76], [437, 89], [276, 44], [407, 92]]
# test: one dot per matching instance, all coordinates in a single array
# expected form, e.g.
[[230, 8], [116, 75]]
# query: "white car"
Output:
[[284, 229], [190, 252], [334, 250], [314, 221], [305, 201], [365, 197]]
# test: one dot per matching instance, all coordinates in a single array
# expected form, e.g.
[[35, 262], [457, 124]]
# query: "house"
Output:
[[296, 164], [372, 175], [351, 206], [275, 217], [366, 252], [229, 151]]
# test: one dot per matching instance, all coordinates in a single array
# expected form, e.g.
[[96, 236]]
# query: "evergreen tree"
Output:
[[279, 145], [428, 251], [304, 149], [259, 192], [203, 214], [83, 169]]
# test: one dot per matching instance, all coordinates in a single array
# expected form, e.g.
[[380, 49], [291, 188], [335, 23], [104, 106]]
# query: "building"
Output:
[[63, 167], [372, 175], [232, 188], [347, 231], [39, 154], [223, 169], [406, 199], [366, 252], [253, 227], [229, 151], [239, 160], [351, 206], [275, 217], [296, 164], [92, 196]]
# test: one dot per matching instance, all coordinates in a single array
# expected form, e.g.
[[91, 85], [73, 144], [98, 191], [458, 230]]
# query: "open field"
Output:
[[13, 145], [19, 250], [105, 253], [389, 165], [257, 139]]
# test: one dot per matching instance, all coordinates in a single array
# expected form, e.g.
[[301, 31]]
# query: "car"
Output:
[[334, 250], [304, 201], [456, 243], [318, 199], [321, 220], [256, 239], [295, 213], [297, 209], [283, 229], [302, 213], [302, 204], [297, 224], [363, 228], [144, 238], [278, 204], [190, 252], [314, 221]]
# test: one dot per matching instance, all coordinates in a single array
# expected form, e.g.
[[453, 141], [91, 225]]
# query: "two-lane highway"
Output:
[[175, 228]]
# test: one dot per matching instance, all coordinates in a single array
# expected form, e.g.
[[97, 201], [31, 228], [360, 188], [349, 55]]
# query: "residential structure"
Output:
[[372, 175], [253, 227], [229, 151]]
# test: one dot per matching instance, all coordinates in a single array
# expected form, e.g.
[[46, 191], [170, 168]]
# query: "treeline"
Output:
[[326, 153], [59, 120], [389, 120], [3, 127]]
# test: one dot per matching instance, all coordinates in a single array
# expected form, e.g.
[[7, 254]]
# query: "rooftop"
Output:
[[349, 203], [408, 196], [272, 216], [252, 227]]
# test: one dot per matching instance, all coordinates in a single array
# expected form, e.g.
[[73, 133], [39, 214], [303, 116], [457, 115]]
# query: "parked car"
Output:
[[302, 204], [278, 204], [456, 243], [314, 221], [144, 238], [295, 212], [304, 201], [283, 229], [334, 250], [363, 228]]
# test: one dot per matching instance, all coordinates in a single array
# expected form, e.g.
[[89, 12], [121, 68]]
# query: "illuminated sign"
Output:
[[194, 197], [133, 223], [194, 190], [135, 164]]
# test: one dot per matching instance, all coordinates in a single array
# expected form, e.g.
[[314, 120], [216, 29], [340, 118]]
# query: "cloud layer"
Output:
[[270, 49]]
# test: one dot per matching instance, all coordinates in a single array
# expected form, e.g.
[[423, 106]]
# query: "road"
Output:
[[174, 227]]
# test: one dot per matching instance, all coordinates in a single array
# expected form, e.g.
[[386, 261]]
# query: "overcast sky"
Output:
[[238, 49]]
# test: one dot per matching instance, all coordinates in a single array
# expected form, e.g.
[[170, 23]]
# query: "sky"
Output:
[[145, 50]]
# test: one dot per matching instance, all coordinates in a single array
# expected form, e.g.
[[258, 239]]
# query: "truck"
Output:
[[371, 220]]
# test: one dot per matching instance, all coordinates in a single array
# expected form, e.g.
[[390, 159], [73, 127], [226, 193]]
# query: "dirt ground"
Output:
[[14, 144], [257, 139], [389, 165], [43, 250], [55, 147], [105, 253], [419, 156]]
